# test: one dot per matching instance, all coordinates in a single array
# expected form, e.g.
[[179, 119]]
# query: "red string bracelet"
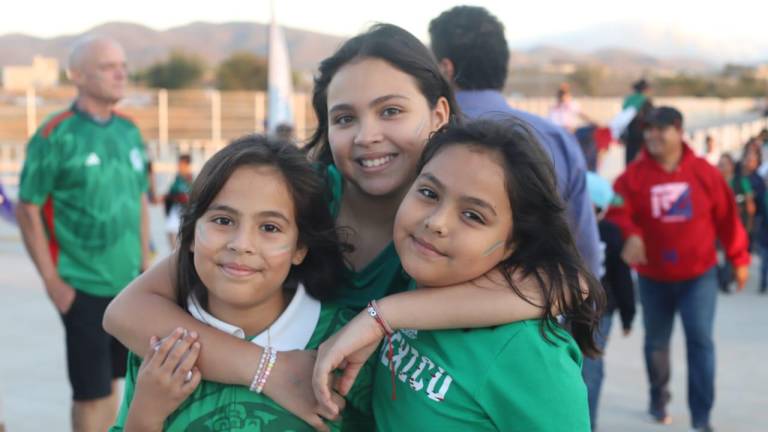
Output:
[[373, 311]]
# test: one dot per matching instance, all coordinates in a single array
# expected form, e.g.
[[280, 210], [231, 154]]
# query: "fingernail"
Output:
[[196, 345], [193, 334]]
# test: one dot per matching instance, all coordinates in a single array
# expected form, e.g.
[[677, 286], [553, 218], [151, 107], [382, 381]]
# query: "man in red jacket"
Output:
[[671, 207]]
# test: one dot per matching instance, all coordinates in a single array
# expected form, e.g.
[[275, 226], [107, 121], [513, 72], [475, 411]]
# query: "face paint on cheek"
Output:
[[277, 250], [492, 248], [420, 128], [201, 234]]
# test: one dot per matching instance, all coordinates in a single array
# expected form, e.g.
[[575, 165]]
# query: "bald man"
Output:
[[83, 216]]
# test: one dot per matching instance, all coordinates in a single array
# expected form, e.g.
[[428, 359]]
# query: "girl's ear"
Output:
[[440, 113], [299, 255]]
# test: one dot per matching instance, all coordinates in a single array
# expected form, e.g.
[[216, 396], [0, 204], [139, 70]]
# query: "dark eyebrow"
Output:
[[433, 179], [378, 100], [480, 203], [266, 213], [275, 214], [222, 207], [476, 201]]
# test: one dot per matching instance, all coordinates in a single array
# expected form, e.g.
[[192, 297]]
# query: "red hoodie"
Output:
[[678, 215]]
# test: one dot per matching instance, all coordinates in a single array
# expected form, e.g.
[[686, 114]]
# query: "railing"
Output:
[[199, 122]]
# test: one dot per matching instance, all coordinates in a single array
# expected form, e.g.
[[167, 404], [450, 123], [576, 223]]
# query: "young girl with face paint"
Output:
[[377, 100], [485, 199], [258, 252]]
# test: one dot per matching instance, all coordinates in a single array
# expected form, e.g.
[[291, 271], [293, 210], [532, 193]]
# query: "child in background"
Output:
[[618, 285], [177, 197]]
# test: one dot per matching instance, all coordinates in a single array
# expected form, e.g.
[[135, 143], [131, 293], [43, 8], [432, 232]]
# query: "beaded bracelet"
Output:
[[260, 369], [262, 380]]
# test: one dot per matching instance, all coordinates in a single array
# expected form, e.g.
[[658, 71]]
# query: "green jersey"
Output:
[[224, 407], [178, 193], [382, 276], [88, 178], [505, 378]]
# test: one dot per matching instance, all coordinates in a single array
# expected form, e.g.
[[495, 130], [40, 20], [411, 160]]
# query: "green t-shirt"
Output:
[[505, 378], [178, 193], [382, 276], [225, 407], [88, 177]]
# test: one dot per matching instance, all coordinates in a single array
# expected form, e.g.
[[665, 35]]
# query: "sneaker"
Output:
[[703, 429], [662, 419], [660, 416]]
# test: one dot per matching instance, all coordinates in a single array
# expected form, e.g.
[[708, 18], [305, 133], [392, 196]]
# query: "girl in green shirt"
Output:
[[377, 100], [485, 199], [258, 253]]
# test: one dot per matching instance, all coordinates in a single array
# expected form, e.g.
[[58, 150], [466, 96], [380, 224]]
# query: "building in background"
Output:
[[44, 72]]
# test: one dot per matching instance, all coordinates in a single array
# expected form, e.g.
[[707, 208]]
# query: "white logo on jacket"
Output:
[[672, 202]]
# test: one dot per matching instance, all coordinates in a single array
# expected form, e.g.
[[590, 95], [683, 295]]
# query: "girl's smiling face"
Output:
[[247, 240], [455, 222], [379, 122]]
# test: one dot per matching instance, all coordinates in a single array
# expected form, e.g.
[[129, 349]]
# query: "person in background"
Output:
[[636, 107], [619, 289], [567, 113], [177, 197], [83, 217], [759, 233], [671, 206], [471, 49], [745, 203], [711, 152]]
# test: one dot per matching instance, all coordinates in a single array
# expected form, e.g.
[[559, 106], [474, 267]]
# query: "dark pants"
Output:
[[763, 251], [94, 357], [695, 299], [593, 369]]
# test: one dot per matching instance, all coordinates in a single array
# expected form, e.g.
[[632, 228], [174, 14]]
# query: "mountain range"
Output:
[[632, 46]]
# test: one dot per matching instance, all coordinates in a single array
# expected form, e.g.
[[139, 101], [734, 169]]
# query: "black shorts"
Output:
[[94, 358]]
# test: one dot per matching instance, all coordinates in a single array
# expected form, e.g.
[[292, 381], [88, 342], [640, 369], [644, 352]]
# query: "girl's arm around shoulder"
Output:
[[483, 302], [147, 308]]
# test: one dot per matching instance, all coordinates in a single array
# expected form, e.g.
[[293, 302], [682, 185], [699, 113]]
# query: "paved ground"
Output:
[[35, 392]]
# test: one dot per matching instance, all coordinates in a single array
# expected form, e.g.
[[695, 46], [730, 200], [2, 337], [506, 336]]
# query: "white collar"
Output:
[[291, 331]]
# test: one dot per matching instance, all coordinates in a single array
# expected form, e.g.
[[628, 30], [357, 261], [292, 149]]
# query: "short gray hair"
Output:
[[81, 49]]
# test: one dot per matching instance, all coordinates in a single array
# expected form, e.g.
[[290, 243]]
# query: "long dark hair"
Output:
[[544, 248], [322, 268], [398, 48]]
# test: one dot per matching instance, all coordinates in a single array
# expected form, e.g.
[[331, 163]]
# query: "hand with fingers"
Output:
[[167, 376], [290, 385], [347, 350], [633, 252]]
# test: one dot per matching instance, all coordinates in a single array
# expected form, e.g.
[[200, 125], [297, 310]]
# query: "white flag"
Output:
[[279, 86]]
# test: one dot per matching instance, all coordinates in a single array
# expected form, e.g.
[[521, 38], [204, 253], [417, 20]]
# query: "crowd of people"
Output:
[[432, 259]]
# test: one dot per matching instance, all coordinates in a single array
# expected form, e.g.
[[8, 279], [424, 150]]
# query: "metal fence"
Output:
[[199, 122]]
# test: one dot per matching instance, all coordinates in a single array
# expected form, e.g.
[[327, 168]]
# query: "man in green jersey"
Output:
[[83, 216]]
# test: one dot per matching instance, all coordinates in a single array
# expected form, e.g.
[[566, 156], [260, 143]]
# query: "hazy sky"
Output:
[[524, 20]]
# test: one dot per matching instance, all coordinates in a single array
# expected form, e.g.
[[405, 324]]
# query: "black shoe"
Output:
[[660, 416]]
